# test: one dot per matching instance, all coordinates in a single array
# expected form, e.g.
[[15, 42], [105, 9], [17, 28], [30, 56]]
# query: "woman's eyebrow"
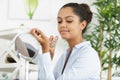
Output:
[[59, 17], [68, 17], [64, 17]]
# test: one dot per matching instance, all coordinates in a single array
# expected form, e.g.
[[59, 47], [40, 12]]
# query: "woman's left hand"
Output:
[[53, 42]]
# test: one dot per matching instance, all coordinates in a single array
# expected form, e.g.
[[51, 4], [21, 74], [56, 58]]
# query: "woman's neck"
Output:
[[75, 41]]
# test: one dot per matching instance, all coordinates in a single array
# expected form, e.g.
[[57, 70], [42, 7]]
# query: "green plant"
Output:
[[31, 6], [105, 37]]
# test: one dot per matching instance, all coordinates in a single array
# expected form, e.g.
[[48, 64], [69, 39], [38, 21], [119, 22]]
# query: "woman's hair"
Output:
[[82, 11]]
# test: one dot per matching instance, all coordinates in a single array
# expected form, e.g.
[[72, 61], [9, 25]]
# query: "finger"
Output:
[[39, 38], [41, 33], [33, 32], [51, 38]]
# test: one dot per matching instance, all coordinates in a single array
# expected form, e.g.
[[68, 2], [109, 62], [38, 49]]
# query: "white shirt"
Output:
[[83, 64]]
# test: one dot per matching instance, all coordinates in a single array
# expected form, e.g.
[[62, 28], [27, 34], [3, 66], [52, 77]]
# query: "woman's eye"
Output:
[[69, 21], [59, 22]]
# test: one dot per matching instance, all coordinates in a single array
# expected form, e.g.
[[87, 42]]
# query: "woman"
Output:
[[80, 61]]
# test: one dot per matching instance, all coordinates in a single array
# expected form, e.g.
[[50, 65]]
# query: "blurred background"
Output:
[[22, 15]]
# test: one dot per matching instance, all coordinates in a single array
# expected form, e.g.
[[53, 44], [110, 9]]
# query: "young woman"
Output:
[[80, 61]]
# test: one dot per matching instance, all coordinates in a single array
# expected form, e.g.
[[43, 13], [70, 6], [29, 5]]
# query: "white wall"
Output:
[[48, 27]]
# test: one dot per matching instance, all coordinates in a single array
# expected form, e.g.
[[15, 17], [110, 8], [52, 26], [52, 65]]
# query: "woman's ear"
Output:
[[83, 24]]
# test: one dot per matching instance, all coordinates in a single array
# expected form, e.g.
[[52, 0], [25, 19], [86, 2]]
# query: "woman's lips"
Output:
[[64, 31]]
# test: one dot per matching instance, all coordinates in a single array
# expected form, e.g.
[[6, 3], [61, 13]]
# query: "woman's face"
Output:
[[69, 25]]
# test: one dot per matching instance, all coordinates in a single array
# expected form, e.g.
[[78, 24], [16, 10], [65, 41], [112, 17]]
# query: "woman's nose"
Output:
[[63, 24]]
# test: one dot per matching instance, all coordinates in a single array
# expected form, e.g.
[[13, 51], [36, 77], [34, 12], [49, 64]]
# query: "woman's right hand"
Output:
[[48, 44], [42, 38]]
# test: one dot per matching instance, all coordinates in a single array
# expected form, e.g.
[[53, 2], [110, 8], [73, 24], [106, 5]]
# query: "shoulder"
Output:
[[88, 53], [85, 48]]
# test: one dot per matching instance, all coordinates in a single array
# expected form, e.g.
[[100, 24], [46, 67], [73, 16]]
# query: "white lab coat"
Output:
[[83, 64]]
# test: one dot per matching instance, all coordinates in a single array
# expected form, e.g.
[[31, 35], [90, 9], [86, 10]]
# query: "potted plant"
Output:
[[105, 37]]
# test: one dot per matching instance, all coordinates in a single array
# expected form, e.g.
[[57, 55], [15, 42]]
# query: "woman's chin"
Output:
[[66, 38]]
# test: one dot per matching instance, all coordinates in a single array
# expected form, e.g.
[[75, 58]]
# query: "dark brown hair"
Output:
[[82, 11]]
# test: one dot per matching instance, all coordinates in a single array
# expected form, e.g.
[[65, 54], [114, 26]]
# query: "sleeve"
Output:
[[45, 67]]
